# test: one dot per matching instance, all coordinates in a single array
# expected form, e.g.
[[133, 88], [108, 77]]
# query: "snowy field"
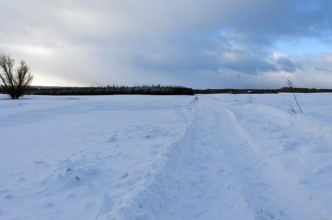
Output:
[[166, 157]]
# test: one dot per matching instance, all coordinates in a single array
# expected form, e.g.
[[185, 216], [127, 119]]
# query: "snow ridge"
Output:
[[158, 187]]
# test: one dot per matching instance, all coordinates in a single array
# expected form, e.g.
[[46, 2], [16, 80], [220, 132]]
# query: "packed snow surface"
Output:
[[166, 157]]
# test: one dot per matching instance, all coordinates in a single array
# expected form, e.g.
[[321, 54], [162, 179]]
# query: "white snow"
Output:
[[166, 157]]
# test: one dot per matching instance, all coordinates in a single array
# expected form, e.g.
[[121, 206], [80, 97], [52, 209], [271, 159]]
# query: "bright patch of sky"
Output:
[[303, 46]]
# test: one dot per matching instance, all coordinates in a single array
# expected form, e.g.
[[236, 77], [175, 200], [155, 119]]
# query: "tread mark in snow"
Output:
[[223, 175]]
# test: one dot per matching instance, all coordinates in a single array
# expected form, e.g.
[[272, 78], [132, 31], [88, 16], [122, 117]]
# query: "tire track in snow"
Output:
[[205, 182], [222, 175], [296, 146], [269, 189]]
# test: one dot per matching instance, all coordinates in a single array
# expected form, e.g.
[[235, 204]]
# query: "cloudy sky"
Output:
[[200, 44]]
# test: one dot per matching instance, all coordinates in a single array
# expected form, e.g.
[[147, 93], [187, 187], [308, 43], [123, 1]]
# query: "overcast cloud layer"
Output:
[[201, 44]]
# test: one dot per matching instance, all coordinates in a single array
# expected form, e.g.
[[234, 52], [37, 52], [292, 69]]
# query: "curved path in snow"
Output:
[[222, 174]]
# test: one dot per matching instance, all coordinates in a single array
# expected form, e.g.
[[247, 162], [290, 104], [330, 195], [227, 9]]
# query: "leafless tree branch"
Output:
[[15, 84]]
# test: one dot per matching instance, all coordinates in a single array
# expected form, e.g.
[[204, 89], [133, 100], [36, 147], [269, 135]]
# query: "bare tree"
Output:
[[15, 83]]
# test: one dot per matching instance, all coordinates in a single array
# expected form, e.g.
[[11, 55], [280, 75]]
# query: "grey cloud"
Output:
[[285, 64]]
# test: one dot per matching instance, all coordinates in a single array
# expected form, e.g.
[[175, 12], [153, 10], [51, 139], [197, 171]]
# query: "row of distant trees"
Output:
[[14, 80], [112, 90]]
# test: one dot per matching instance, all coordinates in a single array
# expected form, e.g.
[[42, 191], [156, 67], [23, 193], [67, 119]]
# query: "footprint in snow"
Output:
[[123, 176], [112, 139], [9, 196], [39, 162]]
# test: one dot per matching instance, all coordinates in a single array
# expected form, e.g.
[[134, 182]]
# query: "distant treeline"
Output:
[[111, 90], [261, 91], [158, 90]]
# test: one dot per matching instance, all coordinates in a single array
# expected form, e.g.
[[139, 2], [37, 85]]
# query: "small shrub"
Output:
[[290, 85]]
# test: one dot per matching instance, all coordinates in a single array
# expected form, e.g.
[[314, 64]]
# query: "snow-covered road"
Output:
[[224, 175], [154, 157]]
